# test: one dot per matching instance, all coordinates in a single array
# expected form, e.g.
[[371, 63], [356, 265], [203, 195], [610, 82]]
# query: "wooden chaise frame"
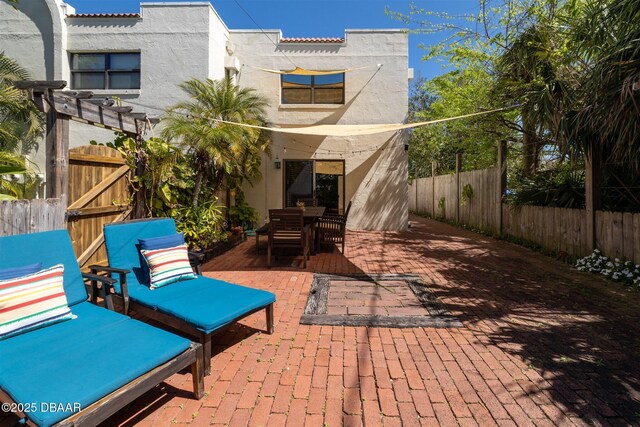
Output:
[[102, 409], [123, 303]]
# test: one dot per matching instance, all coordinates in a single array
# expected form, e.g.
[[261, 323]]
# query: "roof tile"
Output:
[[104, 15], [312, 40]]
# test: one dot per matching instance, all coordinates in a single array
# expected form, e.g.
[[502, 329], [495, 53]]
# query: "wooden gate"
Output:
[[98, 195]]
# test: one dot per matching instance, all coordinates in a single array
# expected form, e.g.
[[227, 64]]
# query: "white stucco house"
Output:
[[141, 58]]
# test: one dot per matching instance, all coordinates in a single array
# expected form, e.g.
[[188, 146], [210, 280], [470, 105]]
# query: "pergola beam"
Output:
[[40, 85], [60, 107]]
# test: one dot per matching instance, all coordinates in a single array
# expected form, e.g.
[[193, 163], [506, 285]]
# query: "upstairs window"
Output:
[[328, 89], [119, 70]]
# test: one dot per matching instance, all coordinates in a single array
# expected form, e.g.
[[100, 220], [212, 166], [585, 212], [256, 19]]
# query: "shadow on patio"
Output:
[[541, 344]]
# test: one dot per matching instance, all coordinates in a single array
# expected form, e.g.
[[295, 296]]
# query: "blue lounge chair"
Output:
[[88, 367], [198, 308]]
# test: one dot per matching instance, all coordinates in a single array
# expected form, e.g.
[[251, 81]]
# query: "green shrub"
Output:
[[243, 216], [202, 226]]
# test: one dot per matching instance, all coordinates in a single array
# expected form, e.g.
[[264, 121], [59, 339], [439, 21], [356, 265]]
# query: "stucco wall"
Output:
[[176, 43], [31, 32], [376, 165]]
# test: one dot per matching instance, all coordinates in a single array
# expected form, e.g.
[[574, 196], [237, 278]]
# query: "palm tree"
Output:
[[20, 121], [532, 71], [220, 150], [20, 126], [608, 37]]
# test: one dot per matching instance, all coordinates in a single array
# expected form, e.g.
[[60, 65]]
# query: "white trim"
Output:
[[310, 106], [113, 91]]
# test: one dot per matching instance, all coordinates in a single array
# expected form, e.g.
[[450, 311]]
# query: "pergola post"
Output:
[[62, 106], [57, 152]]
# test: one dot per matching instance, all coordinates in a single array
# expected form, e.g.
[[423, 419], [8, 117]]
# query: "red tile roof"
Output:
[[311, 40], [104, 15]]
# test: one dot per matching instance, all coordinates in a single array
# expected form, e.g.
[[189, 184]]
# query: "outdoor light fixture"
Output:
[[277, 162]]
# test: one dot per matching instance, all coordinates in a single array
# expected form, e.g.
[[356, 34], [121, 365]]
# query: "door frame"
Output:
[[313, 162]]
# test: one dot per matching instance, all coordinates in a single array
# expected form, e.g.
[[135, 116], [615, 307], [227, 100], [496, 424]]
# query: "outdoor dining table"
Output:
[[311, 216]]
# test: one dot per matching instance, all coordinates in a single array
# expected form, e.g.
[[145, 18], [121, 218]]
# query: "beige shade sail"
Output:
[[302, 72], [356, 130], [330, 167]]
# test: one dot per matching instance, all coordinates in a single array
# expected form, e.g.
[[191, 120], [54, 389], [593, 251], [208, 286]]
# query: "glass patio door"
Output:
[[298, 181], [322, 180]]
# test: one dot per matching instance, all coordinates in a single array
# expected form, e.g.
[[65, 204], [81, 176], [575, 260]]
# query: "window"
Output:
[[105, 70], [319, 180], [327, 89]]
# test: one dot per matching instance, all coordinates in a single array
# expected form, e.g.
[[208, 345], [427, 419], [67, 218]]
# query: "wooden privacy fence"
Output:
[[32, 216], [91, 179], [555, 229], [98, 195]]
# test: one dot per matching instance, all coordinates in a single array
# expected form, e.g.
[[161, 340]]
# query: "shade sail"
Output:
[[302, 72], [356, 130]]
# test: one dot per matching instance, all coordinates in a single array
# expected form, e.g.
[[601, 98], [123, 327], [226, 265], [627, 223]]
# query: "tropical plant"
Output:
[[164, 176], [160, 172], [533, 73], [20, 121], [243, 215], [221, 151], [202, 226], [606, 37], [561, 187], [20, 126]]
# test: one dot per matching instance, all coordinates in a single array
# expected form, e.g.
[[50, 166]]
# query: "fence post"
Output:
[[593, 200], [57, 152], [433, 189], [501, 181], [458, 168], [415, 182]]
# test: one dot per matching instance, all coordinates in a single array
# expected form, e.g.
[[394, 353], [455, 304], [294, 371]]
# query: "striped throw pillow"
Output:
[[168, 265], [33, 301]]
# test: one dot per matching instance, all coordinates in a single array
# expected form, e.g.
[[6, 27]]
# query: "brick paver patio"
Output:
[[541, 345], [385, 298]]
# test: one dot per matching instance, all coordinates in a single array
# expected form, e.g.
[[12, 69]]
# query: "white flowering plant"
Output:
[[616, 269]]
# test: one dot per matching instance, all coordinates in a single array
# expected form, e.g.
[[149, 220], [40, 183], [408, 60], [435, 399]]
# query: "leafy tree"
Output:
[[473, 44], [220, 150], [454, 94]]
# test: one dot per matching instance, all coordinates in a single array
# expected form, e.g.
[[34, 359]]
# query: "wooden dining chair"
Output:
[[332, 228], [287, 230]]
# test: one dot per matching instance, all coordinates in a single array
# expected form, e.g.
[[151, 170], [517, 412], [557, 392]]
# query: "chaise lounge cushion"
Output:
[[82, 360], [49, 248], [12, 273], [123, 248], [204, 302]]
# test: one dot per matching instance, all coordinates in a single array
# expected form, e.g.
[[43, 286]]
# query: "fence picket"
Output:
[[30, 216]]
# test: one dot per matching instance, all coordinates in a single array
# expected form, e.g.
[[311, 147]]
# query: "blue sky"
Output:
[[316, 18]]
